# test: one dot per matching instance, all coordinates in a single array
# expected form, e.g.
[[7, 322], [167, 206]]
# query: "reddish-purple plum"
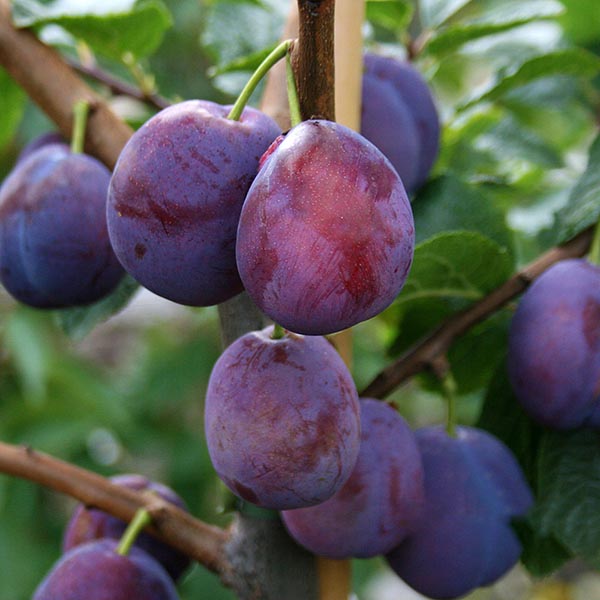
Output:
[[88, 524], [94, 571], [176, 195], [326, 234], [380, 503], [473, 488], [554, 346], [400, 117], [282, 419], [54, 246]]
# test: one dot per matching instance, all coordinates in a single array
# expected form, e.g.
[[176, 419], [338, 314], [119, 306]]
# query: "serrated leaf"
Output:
[[394, 15], [111, 29], [571, 61], [12, 106], [569, 491], [583, 207], [503, 17], [78, 322], [435, 12], [447, 203]]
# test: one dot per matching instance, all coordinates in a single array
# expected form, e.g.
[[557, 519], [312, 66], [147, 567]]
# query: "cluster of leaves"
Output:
[[515, 83]]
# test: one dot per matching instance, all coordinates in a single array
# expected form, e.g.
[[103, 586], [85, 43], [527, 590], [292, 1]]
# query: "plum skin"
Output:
[[54, 246], [379, 504], [326, 233], [95, 571], [554, 346], [391, 88], [282, 420], [87, 524], [175, 198], [473, 488]]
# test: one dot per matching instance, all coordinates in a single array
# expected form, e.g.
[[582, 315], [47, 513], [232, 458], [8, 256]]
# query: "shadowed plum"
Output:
[[94, 571], [176, 195], [51, 137], [88, 524], [399, 116], [54, 246], [326, 234], [554, 346], [282, 419], [473, 488], [381, 501]]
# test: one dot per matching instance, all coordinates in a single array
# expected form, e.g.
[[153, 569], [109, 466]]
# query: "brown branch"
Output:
[[424, 354], [202, 542]]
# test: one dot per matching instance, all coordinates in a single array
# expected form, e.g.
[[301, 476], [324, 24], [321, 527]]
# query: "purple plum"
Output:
[[380, 503], [554, 346], [88, 524], [326, 234], [400, 117], [94, 571], [282, 419], [473, 488], [54, 246], [45, 139], [176, 195]]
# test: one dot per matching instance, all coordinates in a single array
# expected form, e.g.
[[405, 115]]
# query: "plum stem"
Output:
[[141, 520], [278, 332], [449, 389], [81, 108], [594, 253], [277, 54], [292, 92]]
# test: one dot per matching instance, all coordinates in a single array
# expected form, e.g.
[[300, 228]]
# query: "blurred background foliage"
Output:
[[517, 87]]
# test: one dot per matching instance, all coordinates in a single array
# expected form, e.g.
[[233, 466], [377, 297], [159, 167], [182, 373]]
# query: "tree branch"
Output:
[[202, 542], [424, 354]]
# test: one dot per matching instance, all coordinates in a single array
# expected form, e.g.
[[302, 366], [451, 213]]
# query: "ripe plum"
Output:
[[51, 137], [326, 234], [176, 195], [379, 504], [473, 488], [282, 419]]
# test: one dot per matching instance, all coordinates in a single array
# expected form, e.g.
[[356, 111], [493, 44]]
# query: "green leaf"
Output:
[[581, 20], [447, 203], [248, 63], [13, 106], [571, 61], [503, 17], [435, 12], [394, 15], [583, 207], [113, 29], [569, 491], [78, 322]]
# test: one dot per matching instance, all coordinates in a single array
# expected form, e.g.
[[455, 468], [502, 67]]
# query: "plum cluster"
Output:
[[554, 346], [400, 117], [92, 568]]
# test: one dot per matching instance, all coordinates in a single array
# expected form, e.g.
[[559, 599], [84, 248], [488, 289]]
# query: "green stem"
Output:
[[80, 115], [449, 389], [277, 54], [594, 253], [278, 331], [292, 92], [141, 519]]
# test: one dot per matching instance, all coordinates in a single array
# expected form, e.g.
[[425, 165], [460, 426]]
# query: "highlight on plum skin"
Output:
[[95, 571], [176, 195], [326, 233], [282, 420], [474, 487], [87, 524], [54, 245], [379, 504], [554, 346]]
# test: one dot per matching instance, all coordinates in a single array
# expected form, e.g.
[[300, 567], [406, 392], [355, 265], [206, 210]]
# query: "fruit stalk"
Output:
[[81, 110], [141, 520]]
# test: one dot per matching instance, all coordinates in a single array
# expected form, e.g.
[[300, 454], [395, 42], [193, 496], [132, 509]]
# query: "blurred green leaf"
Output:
[[581, 20], [583, 207], [111, 29], [12, 103], [79, 321], [394, 15], [502, 17], [435, 12], [248, 63]]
